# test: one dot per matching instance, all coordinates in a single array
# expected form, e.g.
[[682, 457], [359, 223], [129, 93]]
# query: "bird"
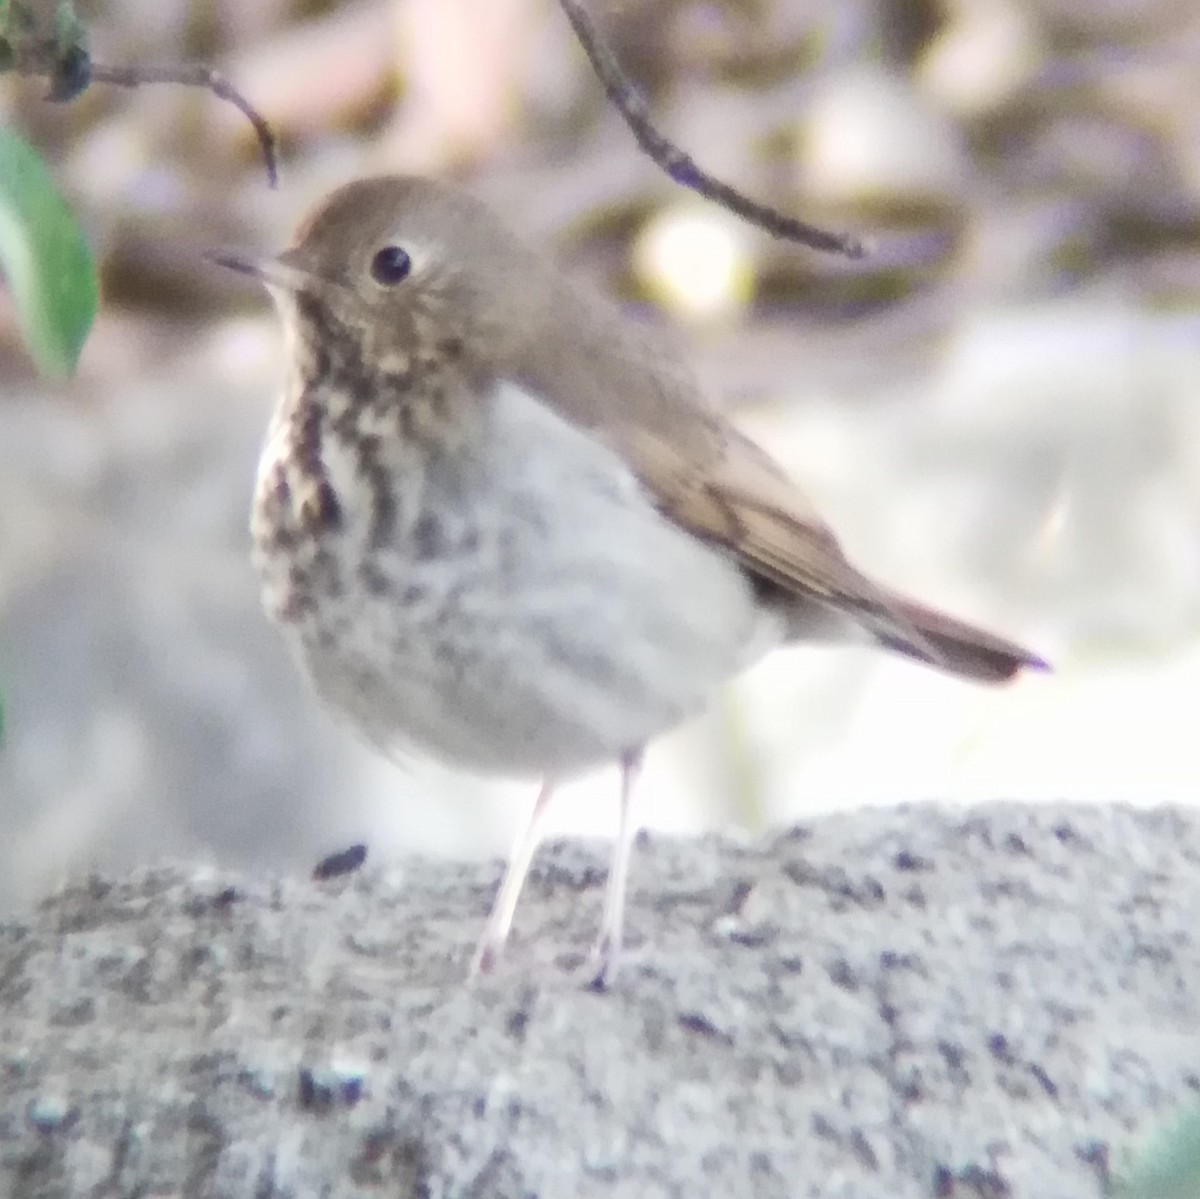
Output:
[[503, 526]]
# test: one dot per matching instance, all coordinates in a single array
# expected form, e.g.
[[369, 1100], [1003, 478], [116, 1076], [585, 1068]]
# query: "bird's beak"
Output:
[[275, 273]]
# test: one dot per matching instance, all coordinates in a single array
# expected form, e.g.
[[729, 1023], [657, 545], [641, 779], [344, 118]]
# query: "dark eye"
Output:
[[391, 266]]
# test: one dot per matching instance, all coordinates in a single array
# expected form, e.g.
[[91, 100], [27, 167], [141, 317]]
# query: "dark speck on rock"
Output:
[[906, 860], [841, 975], [1015, 844], [319, 1091], [699, 1023], [999, 1047], [1044, 1080], [429, 539], [345, 861]]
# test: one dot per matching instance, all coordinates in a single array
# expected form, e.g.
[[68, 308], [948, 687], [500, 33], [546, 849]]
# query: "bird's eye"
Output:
[[390, 266]]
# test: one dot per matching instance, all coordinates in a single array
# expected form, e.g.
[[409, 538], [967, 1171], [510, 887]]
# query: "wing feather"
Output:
[[744, 502], [624, 385]]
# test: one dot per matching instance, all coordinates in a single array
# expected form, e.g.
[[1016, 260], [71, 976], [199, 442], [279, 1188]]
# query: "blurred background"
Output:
[[997, 410]]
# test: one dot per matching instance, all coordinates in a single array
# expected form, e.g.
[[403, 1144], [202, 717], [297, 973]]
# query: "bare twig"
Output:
[[681, 166], [197, 75], [62, 56]]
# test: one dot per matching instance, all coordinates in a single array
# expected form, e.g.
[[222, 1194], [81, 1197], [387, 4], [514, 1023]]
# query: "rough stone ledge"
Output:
[[921, 1001]]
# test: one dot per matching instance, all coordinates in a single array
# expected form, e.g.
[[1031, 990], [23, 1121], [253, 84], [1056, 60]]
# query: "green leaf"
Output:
[[44, 258]]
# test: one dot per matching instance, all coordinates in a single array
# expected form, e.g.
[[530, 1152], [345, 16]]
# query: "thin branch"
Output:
[[198, 75], [71, 72], [681, 166]]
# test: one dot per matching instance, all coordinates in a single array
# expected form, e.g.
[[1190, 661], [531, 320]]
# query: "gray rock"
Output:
[[135, 661], [907, 1002]]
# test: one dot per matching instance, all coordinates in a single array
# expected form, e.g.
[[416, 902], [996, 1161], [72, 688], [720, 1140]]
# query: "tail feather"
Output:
[[956, 646]]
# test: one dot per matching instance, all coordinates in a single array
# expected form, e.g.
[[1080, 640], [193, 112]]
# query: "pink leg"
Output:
[[491, 945], [607, 951]]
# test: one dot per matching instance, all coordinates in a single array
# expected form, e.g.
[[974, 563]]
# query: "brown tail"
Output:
[[957, 647]]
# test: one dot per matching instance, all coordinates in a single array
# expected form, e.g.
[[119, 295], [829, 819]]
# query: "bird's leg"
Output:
[[491, 945], [604, 957]]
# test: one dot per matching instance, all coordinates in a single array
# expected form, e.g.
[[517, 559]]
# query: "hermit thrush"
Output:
[[501, 525]]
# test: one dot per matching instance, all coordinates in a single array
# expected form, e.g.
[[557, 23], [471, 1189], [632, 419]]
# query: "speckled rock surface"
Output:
[[918, 1001]]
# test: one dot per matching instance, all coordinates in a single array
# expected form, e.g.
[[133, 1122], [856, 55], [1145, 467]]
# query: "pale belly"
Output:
[[532, 614]]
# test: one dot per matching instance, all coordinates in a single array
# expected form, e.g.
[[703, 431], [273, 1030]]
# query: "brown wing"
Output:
[[739, 497], [743, 501], [624, 386]]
